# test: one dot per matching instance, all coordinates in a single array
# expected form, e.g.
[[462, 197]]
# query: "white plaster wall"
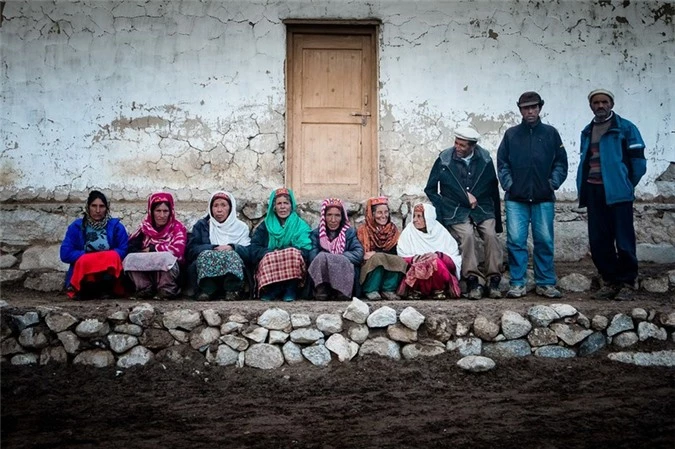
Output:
[[189, 96]]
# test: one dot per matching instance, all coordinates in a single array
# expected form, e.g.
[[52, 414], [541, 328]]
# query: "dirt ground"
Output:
[[367, 403]]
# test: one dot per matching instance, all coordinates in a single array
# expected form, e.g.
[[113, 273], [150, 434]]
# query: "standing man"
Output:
[[532, 164], [463, 188], [612, 163]]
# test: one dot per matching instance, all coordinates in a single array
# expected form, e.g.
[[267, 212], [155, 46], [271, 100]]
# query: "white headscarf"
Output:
[[232, 230], [414, 242]]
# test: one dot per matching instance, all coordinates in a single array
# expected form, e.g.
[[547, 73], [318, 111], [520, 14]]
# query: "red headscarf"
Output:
[[374, 237], [337, 246], [171, 237]]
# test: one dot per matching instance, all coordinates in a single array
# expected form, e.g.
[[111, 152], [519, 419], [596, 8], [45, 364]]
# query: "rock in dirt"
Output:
[[381, 346], [357, 311], [318, 355], [555, 352], [59, 321], [423, 349], [542, 316], [485, 328], [507, 349], [466, 346], [300, 320], [341, 347], [292, 353], [411, 318], [625, 339], [329, 323], [650, 330], [99, 358], [595, 342], [382, 317], [476, 363], [571, 334], [620, 323], [575, 282], [139, 355], [658, 358], [275, 319], [399, 332], [514, 325]]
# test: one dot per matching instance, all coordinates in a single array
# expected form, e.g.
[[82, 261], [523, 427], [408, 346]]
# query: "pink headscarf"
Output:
[[171, 237], [337, 245]]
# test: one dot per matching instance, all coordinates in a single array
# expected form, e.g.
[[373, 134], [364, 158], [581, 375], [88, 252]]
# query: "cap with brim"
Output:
[[600, 91], [529, 99], [466, 133]]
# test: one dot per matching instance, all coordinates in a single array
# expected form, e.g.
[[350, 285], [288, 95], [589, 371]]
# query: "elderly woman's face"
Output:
[[333, 218], [419, 222], [381, 214], [220, 209], [97, 210], [282, 207], [160, 215]]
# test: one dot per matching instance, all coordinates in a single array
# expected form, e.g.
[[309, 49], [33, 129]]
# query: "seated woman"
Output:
[[214, 248], [94, 246], [336, 254], [156, 250], [279, 247], [432, 254], [382, 269]]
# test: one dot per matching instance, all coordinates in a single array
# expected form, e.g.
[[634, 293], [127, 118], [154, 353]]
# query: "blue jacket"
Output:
[[622, 161], [72, 247], [452, 203], [531, 163]]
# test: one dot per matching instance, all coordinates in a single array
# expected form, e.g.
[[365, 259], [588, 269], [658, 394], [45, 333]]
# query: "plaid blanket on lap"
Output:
[[279, 266]]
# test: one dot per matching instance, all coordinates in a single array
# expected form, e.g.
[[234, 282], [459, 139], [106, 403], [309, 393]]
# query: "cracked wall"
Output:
[[189, 96]]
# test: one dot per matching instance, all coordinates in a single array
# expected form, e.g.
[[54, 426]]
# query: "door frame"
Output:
[[368, 27]]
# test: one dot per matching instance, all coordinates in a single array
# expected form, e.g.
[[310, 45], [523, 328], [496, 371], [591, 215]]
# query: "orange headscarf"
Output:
[[374, 237]]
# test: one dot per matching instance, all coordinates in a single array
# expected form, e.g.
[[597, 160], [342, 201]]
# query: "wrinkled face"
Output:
[[601, 105], [97, 210], [160, 215], [530, 113], [419, 222], [464, 148], [220, 209], [381, 214], [333, 218], [282, 207]]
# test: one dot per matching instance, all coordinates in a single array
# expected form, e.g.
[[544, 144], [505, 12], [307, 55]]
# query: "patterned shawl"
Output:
[[232, 230], [374, 237], [171, 237], [295, 231], [337, 245]]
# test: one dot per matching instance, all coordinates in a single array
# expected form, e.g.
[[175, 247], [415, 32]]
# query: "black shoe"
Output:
[[473, 289], [493, 287], [321, 293]]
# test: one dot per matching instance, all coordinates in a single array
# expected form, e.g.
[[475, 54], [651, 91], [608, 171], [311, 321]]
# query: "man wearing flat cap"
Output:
[[611, 165], [463, 188], [531, 165]]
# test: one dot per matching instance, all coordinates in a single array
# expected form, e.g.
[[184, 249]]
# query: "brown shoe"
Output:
[[626, 293], [608, 291]]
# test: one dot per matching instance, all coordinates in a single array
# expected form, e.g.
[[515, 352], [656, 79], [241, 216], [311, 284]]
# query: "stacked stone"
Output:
[[143, 334]]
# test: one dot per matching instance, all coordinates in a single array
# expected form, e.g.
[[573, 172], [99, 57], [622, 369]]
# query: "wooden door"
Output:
[[332, 112]]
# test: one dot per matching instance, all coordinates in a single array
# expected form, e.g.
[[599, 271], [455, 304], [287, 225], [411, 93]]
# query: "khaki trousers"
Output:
[[464, 234]]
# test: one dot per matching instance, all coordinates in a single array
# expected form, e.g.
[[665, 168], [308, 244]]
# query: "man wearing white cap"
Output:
[[612, 163], [463, 188], [532, 164]]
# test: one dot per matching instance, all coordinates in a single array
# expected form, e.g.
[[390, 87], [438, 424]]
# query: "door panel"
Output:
[[332, 119]]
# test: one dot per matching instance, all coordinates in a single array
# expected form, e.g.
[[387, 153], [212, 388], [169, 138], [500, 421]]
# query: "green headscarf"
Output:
[[295, 231]]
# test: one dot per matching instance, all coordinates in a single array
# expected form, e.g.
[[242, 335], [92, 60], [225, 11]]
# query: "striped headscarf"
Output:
[[171, 237], [337, 245]]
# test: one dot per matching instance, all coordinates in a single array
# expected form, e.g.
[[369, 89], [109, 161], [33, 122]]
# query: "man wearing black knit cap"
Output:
[[531, 165], [611, 165]]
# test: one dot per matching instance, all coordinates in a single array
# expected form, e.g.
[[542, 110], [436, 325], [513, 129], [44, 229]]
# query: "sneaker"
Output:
[[438, 295], [373, 296], [608, 291], [493, 287], [471, 284], [516, 291], [626, 293], [548, 291], [391, 296], [476, 292]]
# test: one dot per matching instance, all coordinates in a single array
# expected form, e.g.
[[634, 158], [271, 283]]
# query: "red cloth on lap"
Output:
[[91, 264]]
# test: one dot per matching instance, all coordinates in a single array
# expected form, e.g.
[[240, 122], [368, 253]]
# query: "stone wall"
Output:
[[143, 334]]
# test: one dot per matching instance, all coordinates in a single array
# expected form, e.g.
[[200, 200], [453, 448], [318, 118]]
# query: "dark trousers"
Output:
[[612, 237]]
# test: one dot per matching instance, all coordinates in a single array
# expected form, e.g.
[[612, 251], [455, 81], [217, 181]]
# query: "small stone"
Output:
[[620, 323], [237, 318], [45, 282], [593, 343], [658, 358], [399, 332], [180, 336], [236, 343], [357, 311], [428, 348], [382, 317], [340, 346], [9, 276], [639, 314], [11, 346], [358, 333], [226, 356], [583, 321], [329, 323], [203, 335], [264, 356], [7, 261], [130, 329], [275, 319], [157, 338], [484, 328], [571, 334], [564, 310], [139, 355], [542, 336], [514, 325], [277, 337], [300, 320], [656, 285], [255, 333], [143, 315], [317, 355], [119, 316], [69, 341], [542, 316], [462, 329], [599, 323], [212, 318], [24, 359], [411, 318], [575, 282], [94, 357], [507, 349], [184, 319], [438, 327], [59, 321], [43, 258], [230, 327], [625, 339], [466, 346], [650, 330], [555, 352], [53, 354], [306, 335], [92, 328], [667, 320], [476, 363], [292, 353], [671, 277], [381, 346], [121, 343], [26, 320]]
